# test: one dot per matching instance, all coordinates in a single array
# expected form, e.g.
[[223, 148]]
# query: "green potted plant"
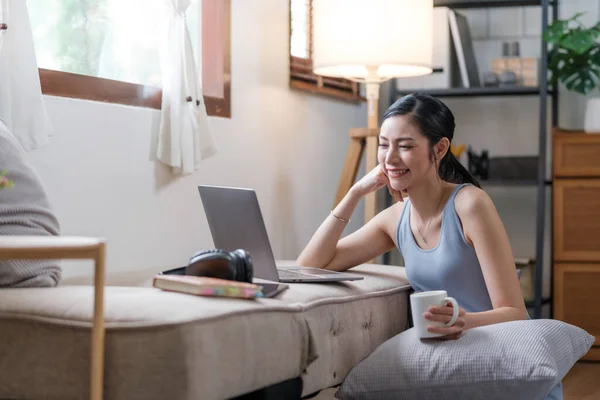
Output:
[[574, 60]]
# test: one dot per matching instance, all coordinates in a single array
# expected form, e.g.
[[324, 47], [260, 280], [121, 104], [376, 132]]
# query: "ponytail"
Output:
[[451, 170]]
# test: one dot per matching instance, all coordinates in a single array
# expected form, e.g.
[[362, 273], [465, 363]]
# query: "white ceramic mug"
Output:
[[421, 301]]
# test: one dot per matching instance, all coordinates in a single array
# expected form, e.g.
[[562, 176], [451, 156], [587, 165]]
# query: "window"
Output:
[[301, 75], [108, 50]]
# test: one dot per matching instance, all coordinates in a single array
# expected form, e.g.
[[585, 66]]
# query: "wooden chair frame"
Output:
[[63, 247]]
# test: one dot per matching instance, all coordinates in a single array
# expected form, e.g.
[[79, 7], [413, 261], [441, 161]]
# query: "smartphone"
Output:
[[272, 289]]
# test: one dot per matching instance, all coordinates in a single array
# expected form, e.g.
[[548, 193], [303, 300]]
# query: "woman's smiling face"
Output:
[[404, 152]]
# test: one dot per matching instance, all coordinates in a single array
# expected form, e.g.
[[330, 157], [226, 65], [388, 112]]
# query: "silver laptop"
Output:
[[236, 222]]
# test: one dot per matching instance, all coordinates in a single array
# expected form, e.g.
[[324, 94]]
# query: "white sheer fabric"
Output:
[[184, 138], [21, 103]]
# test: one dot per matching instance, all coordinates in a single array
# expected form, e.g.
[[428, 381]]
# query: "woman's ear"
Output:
[[441, 148]]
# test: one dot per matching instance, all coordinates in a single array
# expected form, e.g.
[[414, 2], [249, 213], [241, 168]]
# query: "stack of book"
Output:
[[205, 286]]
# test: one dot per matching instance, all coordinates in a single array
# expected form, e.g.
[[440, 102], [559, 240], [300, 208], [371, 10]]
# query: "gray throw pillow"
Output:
[[510, 360], [24, 210]]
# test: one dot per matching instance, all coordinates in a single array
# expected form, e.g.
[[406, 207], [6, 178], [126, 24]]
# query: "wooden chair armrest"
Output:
[[66, 247]]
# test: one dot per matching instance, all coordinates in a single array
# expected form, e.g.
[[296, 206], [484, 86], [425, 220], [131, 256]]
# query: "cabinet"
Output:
[[576, 233]]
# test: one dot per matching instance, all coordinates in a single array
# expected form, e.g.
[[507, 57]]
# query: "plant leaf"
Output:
[[579, 40], [577, 15], [555, 31], [579, 72], [553, 66]]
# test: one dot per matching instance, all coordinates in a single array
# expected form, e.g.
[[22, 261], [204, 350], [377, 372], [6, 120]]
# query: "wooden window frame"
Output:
[[303, 78], [66, 84]]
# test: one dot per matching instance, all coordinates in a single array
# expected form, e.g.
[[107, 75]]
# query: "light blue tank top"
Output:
[[451, 266]]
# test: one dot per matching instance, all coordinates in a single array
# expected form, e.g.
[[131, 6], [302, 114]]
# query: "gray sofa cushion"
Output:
[[24, 210], [512, 360]]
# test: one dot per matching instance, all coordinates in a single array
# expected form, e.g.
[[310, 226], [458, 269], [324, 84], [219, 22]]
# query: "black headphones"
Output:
[[216, 263]]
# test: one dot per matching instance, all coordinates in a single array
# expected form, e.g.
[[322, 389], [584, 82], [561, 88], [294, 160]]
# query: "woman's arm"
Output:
[[321, 248], [326, 250], [484, 229]]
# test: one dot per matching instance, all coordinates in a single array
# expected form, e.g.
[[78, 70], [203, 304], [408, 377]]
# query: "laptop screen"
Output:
[[236, 222]]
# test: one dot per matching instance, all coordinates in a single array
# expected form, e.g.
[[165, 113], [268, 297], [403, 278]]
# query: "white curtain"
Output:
[[21, 103], [184, 138]]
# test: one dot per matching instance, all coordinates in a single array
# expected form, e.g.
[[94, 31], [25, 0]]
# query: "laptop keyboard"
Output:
[[301, 273], [285, 274]]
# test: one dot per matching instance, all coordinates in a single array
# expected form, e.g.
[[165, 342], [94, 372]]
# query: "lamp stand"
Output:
[[359, 139]]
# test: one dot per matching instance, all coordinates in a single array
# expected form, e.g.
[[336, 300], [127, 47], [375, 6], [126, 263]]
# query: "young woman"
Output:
[[448, 230]]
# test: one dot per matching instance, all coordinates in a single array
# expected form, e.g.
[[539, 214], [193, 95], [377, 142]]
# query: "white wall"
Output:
[[286, 144]]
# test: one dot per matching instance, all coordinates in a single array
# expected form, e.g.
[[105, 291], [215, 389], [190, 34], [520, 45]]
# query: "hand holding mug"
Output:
[[444, 314], [435, 315]]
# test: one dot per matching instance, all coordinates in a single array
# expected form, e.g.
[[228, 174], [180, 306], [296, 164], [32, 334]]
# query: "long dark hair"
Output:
[[435, 120]]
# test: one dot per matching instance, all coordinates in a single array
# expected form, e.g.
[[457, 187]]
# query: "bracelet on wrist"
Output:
[[340, 218]]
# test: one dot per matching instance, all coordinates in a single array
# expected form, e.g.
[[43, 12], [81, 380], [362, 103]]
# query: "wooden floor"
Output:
[[582, 382]]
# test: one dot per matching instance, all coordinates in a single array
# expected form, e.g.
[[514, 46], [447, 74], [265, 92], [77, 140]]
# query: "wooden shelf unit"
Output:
[[482, 91], [576, 233]]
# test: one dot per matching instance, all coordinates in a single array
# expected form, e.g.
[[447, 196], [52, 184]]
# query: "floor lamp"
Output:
[[370, 41]]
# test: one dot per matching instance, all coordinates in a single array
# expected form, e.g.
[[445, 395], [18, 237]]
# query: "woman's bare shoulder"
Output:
[[471, 201], [388, 218]]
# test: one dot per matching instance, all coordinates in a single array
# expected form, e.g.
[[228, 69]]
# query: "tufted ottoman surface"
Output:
[[163, 345], [348, 320]]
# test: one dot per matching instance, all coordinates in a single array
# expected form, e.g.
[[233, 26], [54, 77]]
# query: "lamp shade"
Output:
[[372, 40]]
